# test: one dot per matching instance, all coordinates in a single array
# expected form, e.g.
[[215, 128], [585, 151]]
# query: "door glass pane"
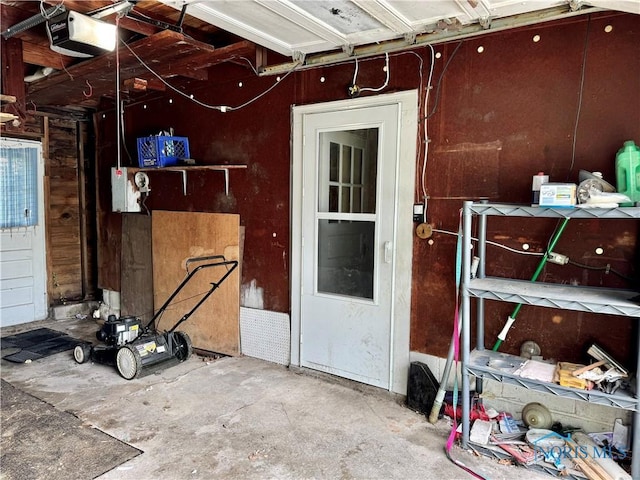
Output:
[[348, 163], [356, 203], [333, 198], [345, 200], [357, 165], [334, 160], [345, 258]]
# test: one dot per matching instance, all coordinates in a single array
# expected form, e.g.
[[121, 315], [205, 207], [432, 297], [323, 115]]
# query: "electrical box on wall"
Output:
[[124, 193]]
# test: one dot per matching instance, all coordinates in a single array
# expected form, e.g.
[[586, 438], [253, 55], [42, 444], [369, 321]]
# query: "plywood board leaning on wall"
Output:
[[136, 270], [178, 237]]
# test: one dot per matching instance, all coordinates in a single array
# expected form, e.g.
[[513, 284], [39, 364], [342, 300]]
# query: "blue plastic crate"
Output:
[[162, 151]]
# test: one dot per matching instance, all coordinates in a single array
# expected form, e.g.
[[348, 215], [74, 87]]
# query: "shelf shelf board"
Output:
[[7, 98], [579, 298], [478, 365], [183, 169], [507, 210]]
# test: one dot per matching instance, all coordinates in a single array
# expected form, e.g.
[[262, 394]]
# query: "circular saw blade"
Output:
[[536, 415]]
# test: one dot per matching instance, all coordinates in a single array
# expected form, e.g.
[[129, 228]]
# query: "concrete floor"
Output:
[[248, 419]]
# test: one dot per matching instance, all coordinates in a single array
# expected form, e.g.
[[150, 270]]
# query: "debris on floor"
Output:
[[535, 441]]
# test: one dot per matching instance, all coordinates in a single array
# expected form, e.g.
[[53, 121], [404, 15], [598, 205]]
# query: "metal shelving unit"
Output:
[[486, 364]]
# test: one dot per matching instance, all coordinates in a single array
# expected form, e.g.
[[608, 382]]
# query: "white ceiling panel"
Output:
[[300, 27]]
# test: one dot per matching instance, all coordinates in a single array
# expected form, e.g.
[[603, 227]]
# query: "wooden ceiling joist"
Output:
[[43, 56], [167, 53]]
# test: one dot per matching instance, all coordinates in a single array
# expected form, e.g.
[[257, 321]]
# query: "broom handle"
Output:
[[437, 403]]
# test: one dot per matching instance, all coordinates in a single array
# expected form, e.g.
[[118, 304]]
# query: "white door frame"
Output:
[[403, 227]]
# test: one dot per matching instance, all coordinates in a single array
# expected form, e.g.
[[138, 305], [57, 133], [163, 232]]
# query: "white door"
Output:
[[23, 296], [351, 237], [352, 184], [347, 229]]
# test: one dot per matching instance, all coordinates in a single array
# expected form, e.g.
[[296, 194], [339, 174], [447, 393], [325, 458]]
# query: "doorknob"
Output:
[[387, 252]]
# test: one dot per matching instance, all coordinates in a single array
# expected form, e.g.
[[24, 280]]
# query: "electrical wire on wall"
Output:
[[354, 89], [580, 94], [607, 269], [439, 83], [421, 187], [118, 105], [425, 138], [419, 143], [220, 108]]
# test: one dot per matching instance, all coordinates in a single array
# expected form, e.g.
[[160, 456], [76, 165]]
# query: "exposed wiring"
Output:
[[489, 242], [444, 70], [421, 100], [221, 108], [386, 80], [267, 90], [64, 67], [255, 70], [580, 94], [118, 104], [355, 72], [423, 180], [43, 11], [355, 90], [123, 130], [607, 268]]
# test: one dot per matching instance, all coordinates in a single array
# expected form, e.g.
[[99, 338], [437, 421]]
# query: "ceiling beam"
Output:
[[43, 56], [167, 53], [436, 36]]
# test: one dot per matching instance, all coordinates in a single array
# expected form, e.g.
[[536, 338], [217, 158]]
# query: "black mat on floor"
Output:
[[36, 344], [41, 442]]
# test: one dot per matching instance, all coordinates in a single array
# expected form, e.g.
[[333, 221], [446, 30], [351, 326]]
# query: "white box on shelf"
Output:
[[557, 194]]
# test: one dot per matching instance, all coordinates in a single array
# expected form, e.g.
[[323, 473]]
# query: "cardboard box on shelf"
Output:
[[557, 194]]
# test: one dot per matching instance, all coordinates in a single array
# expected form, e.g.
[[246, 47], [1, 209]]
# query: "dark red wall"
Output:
[[501, 116]]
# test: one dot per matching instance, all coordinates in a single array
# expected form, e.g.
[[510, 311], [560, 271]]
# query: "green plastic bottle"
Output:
[[628, 172]]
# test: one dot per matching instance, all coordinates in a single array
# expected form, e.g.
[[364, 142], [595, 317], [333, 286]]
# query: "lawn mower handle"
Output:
[[214, 286]]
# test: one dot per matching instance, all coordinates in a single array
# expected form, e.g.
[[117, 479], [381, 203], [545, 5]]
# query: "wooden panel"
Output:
[[178, 236], [136, 267]]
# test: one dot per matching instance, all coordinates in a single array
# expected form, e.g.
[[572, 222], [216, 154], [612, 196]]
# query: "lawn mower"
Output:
[[137, 349]]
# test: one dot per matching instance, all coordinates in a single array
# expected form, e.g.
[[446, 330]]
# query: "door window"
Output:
[[346, 212]]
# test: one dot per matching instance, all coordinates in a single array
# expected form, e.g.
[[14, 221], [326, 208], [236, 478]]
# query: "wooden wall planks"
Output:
[[64, 239]]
